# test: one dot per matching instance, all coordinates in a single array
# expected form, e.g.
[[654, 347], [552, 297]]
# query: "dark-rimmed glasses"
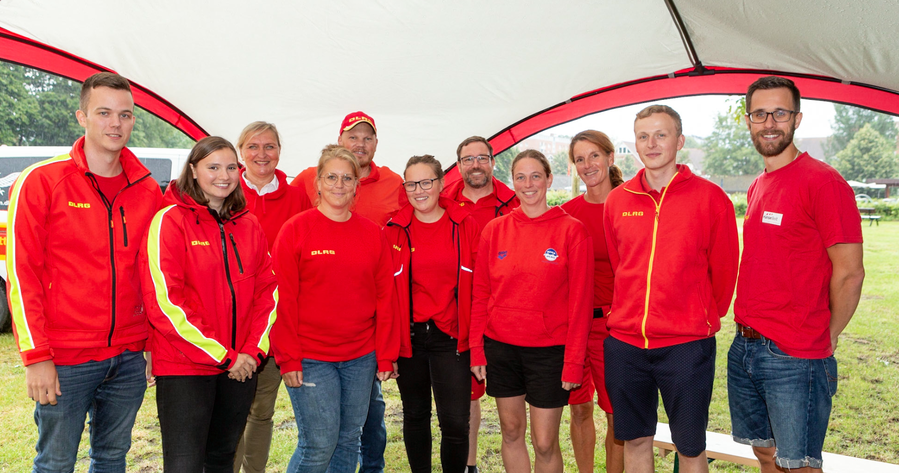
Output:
[[424, 183], [780, 116]]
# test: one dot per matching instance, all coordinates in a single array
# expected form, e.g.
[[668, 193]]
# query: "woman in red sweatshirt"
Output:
[[435, 242], [337, 326], [593, 155], [210, 297], [273, 202], [531, 314]]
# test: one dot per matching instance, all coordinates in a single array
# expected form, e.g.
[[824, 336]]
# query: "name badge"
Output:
[[772, 218]]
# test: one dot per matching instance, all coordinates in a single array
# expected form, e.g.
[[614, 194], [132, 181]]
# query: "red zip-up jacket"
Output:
[[72, 256], [675, 256], [464, 236], [208, 286], [336, 292], [502, 202], [533, 286], [275, 208]]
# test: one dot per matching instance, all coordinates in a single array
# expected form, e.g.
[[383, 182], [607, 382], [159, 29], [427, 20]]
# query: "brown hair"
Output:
[[256, 128], [428, 160], [533, 154], [773, 82], [470, 140], [602, 141], [101, 79], [646, 112], [187, 184], [337, 152]]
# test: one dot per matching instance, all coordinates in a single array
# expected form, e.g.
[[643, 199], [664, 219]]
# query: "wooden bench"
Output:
[[868, 214], [722, 447]]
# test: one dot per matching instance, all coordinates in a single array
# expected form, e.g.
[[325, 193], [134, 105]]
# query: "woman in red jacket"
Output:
[[593, 155], [336, 327], [273, 202], [436, 242], [210, 296], [531, 314]]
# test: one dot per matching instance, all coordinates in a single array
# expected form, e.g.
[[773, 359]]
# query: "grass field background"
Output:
[[864, 423]]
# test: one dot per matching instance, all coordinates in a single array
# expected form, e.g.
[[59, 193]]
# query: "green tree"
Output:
[[868, 155], [729, 150], [628, 165], [559, 163], [848, 120], [503, 168], [151, 131]]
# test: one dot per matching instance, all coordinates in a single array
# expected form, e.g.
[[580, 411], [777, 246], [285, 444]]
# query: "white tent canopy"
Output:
[[433, 73]]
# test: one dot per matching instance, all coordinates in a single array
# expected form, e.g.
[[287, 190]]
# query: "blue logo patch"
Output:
[[550, 254], [502, 254]]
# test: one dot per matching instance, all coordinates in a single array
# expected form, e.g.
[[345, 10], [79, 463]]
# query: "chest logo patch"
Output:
[[550, 254], [502, 254], [772, 218]]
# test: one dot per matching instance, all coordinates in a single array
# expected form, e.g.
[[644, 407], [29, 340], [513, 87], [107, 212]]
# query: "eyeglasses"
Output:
[[424, 183], [779, 116], [332, 178], [469, 160]]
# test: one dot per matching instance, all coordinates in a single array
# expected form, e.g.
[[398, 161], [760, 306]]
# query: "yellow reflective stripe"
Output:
[[652, 254], [264, 342], [16, 301], [173, 312]]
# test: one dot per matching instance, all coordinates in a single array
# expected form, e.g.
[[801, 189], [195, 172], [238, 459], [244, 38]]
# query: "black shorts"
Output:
[[535, 372], [684, 375]]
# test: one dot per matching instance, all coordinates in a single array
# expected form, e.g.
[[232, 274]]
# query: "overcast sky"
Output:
[[698, 115]]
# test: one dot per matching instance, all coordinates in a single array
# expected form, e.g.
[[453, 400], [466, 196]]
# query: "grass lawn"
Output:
[[864, 423]]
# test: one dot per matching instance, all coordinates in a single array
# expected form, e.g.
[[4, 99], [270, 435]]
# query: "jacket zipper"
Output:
[[652, 254], [124, 225], [228, 277], [108, 205], [236, 253]]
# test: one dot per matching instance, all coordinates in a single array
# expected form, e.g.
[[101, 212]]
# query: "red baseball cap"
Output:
[[354, 119]]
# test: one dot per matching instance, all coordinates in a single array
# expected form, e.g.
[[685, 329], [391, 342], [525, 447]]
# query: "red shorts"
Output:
[[477, 388], [594, 370]]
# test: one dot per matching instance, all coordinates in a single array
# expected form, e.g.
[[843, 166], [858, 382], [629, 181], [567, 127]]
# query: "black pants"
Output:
[[435, 363], [201, 419]]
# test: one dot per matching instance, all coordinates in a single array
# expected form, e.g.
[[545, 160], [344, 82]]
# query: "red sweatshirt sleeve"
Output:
[[285, 333], [724, 256], [171, 307], [611, 237], [265, 302], [479, 300], [387, 324], [580, 308], [471, 233]]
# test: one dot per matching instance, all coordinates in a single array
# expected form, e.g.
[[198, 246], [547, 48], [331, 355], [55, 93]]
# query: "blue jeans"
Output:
[[330, 409], [780, 401], [374, 434], [110, 392]]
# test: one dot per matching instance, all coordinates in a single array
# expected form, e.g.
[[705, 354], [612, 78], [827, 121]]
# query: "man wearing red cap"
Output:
[[379, 194]]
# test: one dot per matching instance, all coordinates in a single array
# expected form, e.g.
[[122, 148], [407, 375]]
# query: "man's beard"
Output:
[[772, 148], [476, 185]]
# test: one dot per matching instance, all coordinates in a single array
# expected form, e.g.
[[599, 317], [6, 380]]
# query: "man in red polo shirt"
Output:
[[486, 197], [800, 281], [379, 193]]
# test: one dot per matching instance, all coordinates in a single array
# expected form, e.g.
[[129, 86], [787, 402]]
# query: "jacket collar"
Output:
[[501, 191], [134, 170], [276, 194], [636, 183], [456, 212], [173, 196]]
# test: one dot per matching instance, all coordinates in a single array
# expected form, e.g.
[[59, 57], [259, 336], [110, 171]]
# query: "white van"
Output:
[[164, 165]]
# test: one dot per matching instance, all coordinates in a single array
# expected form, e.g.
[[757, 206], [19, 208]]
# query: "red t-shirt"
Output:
[[794, 214], [591, 216], [434, 277], [110, 186]]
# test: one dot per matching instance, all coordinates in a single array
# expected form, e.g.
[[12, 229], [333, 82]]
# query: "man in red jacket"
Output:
[[672, 241], [75, 226], [800, 281], [486, 197]]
